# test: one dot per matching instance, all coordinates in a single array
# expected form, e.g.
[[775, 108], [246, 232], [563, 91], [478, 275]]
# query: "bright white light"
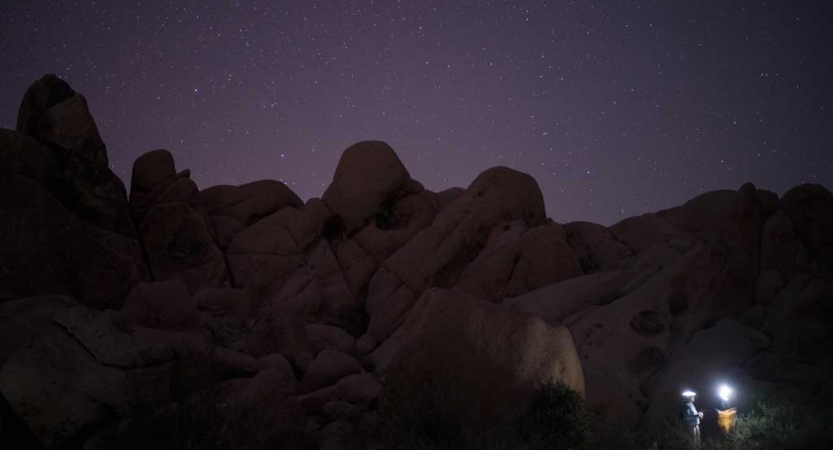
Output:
[[725, 392], [689, 394]]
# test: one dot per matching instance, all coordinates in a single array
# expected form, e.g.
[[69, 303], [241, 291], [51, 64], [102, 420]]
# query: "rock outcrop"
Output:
[[493, 357], [264, 320], [66, 226], [173, 224]]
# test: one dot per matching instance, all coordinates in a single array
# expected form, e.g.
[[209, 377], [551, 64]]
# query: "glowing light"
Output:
[[725, 393], [726, 419], [689, 393]]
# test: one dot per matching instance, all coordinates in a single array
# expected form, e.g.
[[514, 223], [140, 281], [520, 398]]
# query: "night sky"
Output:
[[617, 108]]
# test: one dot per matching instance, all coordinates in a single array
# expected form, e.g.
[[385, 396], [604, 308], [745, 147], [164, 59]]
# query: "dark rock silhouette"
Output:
[[66, 228], [173, 224], [288, 322]]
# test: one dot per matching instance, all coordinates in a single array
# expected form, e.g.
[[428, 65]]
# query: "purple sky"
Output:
[[617, 108]]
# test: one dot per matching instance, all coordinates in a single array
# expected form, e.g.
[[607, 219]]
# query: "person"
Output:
[[691, 417]]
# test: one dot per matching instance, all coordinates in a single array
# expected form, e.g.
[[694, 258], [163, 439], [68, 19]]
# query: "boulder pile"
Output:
[[285, 323]]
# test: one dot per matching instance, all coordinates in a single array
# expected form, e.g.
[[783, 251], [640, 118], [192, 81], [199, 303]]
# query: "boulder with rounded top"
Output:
[[175, 230], [151, 169], [368, 174]]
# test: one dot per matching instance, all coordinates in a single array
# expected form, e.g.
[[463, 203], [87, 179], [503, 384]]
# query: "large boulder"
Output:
[[262, 256], [488, 355], [48, 250], [327, 368], [368, 174], [81, 179], [596, 247], [63, 200], [320, 292], [54, 113], [232, 208], [736, 217], [396, 223], [810, 208], [439, 254], [781, 249], [798, 312], [86, 369], [282, 331], [23, 319], [628, 337], [517, 260], [250, 202], [173, 224], [566, 302], [41, 95]]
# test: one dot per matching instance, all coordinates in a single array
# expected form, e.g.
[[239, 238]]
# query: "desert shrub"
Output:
[[436, 417], [431, 416], [556, 418], [783, 426], [192, 424]]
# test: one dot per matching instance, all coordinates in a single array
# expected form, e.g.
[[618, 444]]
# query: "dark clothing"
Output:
[[690, 415]]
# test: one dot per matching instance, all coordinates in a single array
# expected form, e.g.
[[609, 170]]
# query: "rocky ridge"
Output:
[[295, 319]]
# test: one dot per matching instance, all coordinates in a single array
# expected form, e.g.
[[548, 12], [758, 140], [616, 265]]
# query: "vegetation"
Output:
[[435, 418], [779, 425]]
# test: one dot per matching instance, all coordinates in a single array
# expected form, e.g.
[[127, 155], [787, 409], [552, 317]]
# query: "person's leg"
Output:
[[697, 435]]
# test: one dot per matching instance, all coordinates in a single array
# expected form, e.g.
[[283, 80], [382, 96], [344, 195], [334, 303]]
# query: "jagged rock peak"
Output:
[[41, 95], [52, 112]]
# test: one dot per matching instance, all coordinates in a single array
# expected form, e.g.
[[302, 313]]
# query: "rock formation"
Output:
[[66, 227], [287, 323]]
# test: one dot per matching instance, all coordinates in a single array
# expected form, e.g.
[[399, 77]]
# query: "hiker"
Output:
[[691, 417]]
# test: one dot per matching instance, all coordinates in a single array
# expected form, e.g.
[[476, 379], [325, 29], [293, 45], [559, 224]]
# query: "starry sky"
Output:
[[617, 108]]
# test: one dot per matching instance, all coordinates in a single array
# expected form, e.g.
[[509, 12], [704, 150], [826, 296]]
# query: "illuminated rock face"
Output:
[[314, 312], [492, 357]]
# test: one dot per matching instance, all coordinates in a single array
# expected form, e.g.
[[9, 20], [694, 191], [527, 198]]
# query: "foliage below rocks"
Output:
[[435, 417]]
